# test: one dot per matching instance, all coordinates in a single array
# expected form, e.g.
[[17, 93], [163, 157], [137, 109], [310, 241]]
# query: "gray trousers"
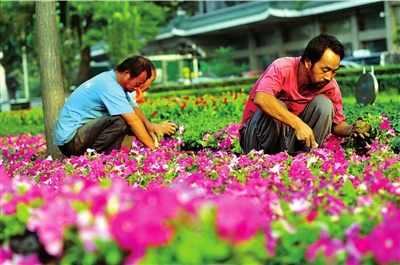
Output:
[[102, 134], [262, 132]]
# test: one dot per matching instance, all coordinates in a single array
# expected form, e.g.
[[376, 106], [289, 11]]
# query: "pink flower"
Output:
[[311, 216], [383, 242], [5, 254], [355, 255], [329, 247], [135, 255], [365, 200], [238, 218], [384, 239], [139, 227], [298, 170], [5, 181], [54, 217], [144, 224], [385, 125]]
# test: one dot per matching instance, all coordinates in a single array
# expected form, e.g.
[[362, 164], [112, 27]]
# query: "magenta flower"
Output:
[[5, 181], [383, 242], [54, 217], [384, 239], [162, 201], [355, 254], [365, 200], [138, 227], [135, 255], [311, 216], [5, 254], [238, 218], [385, 125], [144, 224], [299, 171], [329, 247]]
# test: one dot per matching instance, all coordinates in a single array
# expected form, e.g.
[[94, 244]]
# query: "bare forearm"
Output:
[[342, 129], [273, 108], [142, 117], [139, 130], [270, 105]]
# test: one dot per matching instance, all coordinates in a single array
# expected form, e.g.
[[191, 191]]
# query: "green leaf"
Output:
[[23, 212]]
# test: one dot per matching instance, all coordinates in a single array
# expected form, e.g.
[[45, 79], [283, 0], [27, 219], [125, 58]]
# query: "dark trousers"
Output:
[[102, 134], [262, 132]]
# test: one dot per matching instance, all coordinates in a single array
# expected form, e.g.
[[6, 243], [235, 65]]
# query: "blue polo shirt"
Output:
[[99, 96]]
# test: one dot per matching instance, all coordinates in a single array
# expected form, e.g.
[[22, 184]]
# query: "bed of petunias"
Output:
[[198, 199]]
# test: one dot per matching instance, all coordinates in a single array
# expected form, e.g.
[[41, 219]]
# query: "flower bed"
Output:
[[171, 206]]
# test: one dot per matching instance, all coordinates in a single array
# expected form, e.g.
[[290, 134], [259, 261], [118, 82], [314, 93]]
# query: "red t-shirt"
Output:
[[280, 80]]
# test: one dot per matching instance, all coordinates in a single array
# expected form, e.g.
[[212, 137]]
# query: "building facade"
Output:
[[262, 31]]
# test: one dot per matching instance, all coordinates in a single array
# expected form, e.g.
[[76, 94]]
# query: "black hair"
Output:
[[135, 65], [317, 46], [152, 65]]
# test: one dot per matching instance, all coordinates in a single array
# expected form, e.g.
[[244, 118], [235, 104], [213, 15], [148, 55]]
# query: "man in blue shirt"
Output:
[[99, 114]]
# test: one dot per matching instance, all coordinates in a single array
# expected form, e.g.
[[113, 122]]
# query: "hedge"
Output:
[[388, 78]]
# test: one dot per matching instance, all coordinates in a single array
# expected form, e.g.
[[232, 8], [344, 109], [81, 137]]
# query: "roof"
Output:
[[252, 12]]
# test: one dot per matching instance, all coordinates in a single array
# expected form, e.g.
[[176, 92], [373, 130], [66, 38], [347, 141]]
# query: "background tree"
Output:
[[131, 26], [172, 7], [50, 71], [125, 26], [17, 29], [222, 63]]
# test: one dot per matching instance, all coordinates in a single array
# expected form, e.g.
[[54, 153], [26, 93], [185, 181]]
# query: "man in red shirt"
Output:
[[297, 102]]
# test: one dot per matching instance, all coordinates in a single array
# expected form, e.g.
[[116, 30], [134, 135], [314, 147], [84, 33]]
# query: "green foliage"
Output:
[[124, 25], [21, 122], [396, 35], [130, 24], [222, 63], [202, 236], [16, 29], [204, 115], [10, 225], [388, 77], [108, 251]]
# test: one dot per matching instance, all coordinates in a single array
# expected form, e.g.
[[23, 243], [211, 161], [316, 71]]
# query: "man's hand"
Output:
[[360, 129], [157, 131], [169, 127], [305, 134]]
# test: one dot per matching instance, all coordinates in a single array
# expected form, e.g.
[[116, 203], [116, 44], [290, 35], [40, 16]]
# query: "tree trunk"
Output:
[[84, 66], [50, 71]]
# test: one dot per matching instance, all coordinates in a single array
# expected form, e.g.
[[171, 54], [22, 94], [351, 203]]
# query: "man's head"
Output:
[[321, 58], [146, 85], [133, 72]]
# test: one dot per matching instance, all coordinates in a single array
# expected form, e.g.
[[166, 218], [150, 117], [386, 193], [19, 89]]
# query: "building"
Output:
[[262, 31]]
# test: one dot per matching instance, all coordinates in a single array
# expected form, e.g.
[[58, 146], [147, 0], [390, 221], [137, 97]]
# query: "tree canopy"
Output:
[[125, 27], [222, 63]]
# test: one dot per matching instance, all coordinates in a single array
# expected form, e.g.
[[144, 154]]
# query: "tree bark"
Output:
[[50, 71]]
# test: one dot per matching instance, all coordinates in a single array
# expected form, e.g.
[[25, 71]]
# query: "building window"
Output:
[[348, 49], [240, 43], [372, 20], [375, 46], [266, 39], [266, 59], [336, 26], [295, 53], [292, 34]]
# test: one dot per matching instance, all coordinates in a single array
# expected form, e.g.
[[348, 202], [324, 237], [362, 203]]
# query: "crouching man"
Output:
[[100, 114]]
